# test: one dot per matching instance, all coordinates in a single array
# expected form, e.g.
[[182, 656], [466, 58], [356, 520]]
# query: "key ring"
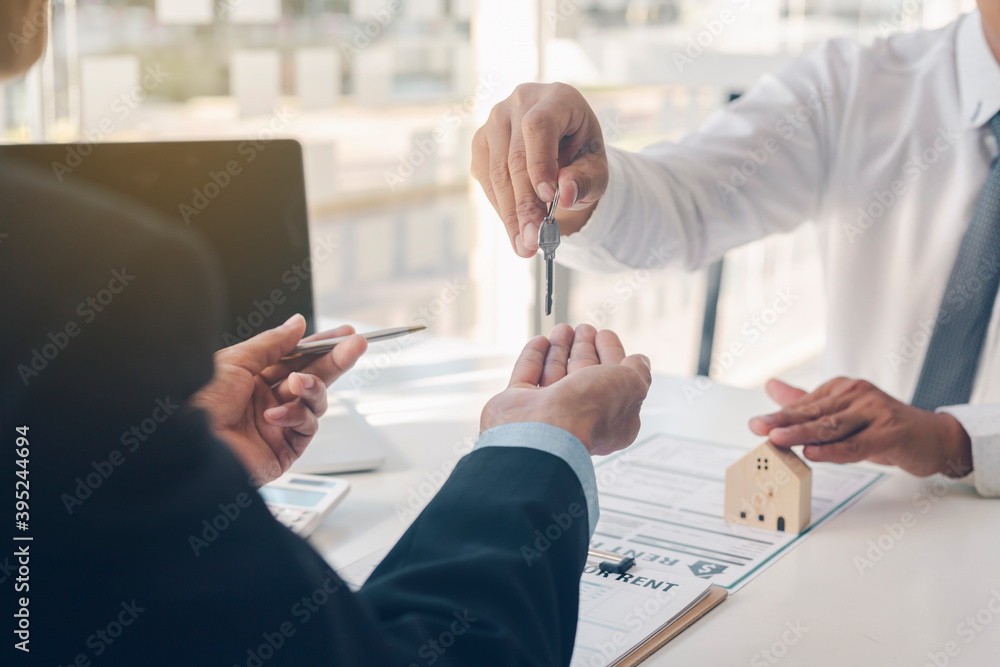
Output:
[[551, 217]]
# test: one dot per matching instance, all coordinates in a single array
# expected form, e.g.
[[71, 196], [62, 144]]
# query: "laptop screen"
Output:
[[245, 198]]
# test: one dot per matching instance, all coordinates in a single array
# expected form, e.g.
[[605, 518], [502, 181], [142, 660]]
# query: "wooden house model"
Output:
[[769, 487]]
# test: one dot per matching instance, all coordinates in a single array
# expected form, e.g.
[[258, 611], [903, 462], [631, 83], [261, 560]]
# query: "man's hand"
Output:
[[266, 409], [852, 420], [579, 381], [540, 135]]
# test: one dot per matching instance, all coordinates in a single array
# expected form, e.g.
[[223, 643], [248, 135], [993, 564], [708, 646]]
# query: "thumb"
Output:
[[640, 364], [583, 182], [783, 394], [266, 348]]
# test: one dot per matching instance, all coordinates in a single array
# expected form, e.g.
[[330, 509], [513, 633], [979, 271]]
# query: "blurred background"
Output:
[[385, 96]]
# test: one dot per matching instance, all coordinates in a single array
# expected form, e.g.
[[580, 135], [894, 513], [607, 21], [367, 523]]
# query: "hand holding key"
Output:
[[542, 136], [548, 241]]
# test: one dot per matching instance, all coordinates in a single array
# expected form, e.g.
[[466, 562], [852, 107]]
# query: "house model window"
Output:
[[769, 488]]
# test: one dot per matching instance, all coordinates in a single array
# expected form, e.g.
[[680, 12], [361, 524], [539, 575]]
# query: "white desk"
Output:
[[943, 568]]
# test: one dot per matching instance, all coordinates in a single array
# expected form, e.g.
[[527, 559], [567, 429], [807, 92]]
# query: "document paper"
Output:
[[662, 503], [620, 612]]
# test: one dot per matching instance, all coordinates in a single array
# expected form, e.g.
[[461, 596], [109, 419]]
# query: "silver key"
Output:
[[548, 241]]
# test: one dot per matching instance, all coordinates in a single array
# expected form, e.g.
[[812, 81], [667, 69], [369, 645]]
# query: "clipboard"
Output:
[[716, 594]]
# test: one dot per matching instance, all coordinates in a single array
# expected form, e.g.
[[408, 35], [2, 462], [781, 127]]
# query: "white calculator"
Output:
[[301, 502]]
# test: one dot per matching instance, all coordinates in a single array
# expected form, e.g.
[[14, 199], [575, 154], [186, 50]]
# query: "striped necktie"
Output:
[[957, 342]]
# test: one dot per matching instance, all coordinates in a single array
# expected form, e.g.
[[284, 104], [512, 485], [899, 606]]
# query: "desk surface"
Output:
[[909, 572]]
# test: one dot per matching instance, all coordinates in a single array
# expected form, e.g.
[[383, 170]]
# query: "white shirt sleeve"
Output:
[[982, 423], [758, 166]]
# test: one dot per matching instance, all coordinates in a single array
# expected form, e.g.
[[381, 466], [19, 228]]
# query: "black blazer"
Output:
[[150, 547]]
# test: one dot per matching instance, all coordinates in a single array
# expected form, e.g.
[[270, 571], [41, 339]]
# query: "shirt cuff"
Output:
[[556, 441], [982, 423]]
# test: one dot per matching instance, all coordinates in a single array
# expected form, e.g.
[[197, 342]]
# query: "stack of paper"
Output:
[[621, 613]]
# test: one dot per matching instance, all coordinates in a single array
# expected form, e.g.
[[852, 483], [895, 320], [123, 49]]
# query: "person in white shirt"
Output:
[[891, 150]]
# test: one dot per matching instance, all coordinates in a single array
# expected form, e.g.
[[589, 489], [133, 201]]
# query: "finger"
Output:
[[555, 130], [308, 388], [584, 350], [498, 139], [297, 421], [342, 330], [266, 348], [529, 366], [782, 393], [787, 397], [828, 428], [640, 364], [557, 357], [530, 209], [856, 448], [279, 371], [800, 413], [481, 172], [327, 367], [339, 360], [609, 347]]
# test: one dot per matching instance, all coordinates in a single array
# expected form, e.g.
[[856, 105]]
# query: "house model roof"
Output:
[[792, 462]]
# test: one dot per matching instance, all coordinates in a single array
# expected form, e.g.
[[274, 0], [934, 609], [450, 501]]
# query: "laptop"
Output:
[[247, 200]]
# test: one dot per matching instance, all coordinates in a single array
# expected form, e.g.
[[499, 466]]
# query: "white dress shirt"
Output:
[[886, 148]]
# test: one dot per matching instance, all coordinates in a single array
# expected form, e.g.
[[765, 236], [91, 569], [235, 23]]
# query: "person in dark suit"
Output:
[[140, 452]]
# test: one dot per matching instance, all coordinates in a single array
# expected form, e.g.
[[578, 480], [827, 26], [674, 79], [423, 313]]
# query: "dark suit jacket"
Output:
[[138, 555]]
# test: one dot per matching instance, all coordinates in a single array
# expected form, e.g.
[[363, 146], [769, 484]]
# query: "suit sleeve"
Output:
[[150, 545], [489, 573]]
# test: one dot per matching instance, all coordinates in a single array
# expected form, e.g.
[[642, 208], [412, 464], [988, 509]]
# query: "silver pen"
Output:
[[323, 346]]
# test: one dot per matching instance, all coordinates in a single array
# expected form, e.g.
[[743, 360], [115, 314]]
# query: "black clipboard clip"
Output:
[[610, 562]]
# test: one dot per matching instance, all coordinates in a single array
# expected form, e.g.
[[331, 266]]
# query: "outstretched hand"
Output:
[[847, 420], [580, 381], [265, 409]]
